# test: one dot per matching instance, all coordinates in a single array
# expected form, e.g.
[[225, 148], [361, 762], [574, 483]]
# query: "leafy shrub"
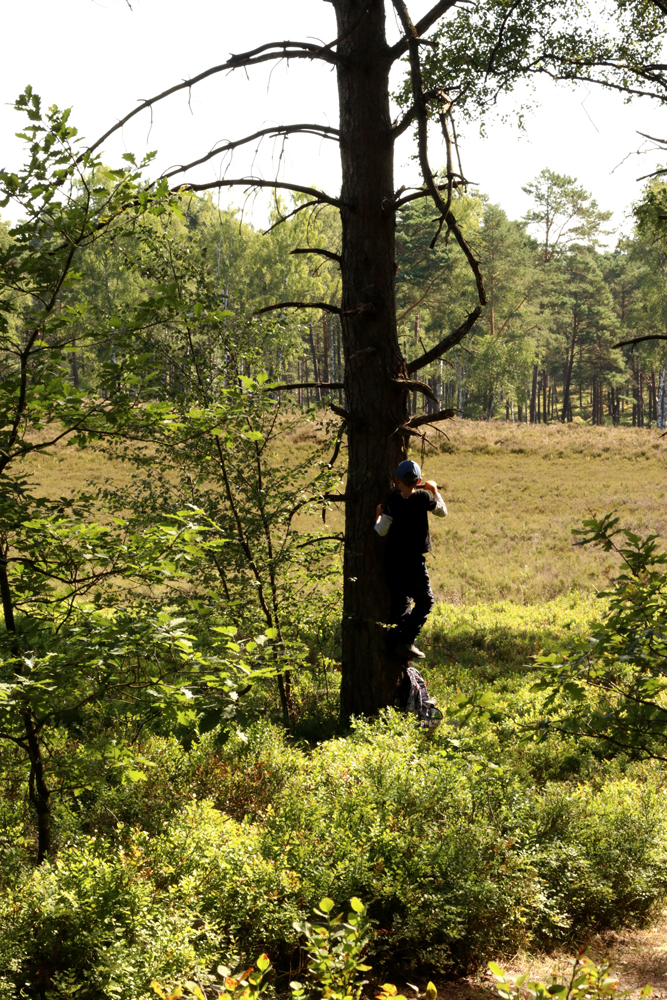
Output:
[[458, 859]]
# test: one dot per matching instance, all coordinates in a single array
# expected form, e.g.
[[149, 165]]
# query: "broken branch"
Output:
[[427, 21]]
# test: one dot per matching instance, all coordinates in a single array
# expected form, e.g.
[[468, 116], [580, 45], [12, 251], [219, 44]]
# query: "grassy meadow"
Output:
[[514, 493]]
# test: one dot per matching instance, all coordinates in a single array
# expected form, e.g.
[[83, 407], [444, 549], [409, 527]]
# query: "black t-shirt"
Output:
[[409, 534]]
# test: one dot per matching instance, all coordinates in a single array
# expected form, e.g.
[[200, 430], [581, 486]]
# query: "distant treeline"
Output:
[[543, 350]]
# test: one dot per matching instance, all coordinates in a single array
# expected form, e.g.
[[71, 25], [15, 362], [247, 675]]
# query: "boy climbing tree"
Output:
[[403, 518]]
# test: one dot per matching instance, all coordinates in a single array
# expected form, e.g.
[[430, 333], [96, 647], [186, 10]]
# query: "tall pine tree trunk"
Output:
[[377, 404]]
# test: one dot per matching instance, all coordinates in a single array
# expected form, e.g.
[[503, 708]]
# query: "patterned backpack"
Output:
[[413, 697]]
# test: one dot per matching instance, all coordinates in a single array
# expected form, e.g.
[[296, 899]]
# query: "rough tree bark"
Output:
[[377, 377], [376, 400]]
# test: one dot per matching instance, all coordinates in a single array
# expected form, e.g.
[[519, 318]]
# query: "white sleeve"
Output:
[[383, 524], [440, 508]]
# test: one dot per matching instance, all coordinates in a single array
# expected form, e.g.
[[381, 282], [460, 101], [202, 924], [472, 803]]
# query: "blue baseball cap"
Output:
[[408, 469]]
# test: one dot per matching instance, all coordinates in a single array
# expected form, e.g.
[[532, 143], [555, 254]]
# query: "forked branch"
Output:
[[426, 22], [421, 116], [414, 386], [446, 345]]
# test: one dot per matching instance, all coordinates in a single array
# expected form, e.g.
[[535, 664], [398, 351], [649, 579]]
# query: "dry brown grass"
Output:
[[638, 957], [514, 494]]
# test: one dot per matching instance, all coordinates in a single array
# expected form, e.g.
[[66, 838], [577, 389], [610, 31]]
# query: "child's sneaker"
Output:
[[409, 652]]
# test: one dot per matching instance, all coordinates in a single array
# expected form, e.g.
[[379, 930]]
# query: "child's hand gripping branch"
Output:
[[403, 517]]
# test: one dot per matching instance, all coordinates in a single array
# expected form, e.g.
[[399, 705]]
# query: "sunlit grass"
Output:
[[514, 494]]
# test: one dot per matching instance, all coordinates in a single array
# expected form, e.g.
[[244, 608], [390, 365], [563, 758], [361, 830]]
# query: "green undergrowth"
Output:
[[466, 844]]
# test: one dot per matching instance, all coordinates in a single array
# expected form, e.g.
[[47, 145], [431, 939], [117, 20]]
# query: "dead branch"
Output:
[[446, 345], [329, 254], [421, 115], [299, 305], [323, 131], [426, 22], [416, 386], [284, 218], [431, 418], [264, 53], [399, 127], [406, 429], [335, 497], [425, 193], [640, 340], [250, 182], [342, 413], [322, 538], [337, 445], [304, 385]]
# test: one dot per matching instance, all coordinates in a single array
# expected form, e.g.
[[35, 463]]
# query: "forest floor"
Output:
[[638, 958]]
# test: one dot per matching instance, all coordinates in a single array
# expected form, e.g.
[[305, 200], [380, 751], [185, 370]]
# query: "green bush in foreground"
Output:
[[457, 860]]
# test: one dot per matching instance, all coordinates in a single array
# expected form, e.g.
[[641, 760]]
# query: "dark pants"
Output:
[[408, 579]]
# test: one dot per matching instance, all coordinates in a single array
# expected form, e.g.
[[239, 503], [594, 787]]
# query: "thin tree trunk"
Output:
[[544, 397], [566, 413], [316, 367], [325, 348], [38, 788], [533, 396], [662, 400]]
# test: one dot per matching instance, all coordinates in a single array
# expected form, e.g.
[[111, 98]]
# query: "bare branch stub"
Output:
[[339, 411], [431, 418], [329, 254], [326, 306], [446, 345], [415, 386]]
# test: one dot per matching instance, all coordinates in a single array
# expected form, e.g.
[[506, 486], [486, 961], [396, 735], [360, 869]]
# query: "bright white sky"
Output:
[[100, 57]]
